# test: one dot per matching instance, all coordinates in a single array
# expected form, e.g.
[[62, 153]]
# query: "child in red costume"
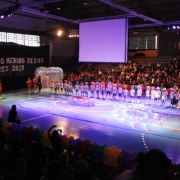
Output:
[[0, 90], [29, 85]]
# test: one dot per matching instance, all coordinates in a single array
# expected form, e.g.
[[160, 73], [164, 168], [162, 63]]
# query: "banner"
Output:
[[22, 60]]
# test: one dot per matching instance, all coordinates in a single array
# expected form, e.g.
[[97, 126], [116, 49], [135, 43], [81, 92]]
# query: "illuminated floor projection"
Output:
[[126, 125]]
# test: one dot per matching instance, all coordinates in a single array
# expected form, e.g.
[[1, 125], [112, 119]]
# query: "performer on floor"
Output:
[[132, 94], [56, 86], [35, 83], [109, 90], [92, 89], [98, 88], [70, 91], [152, 95], [86, 88], [39, 83], [176, 97], [0, 90], [52, 85], [47, 81], [139, 93], [82, 88], [120, 90], [103, 90], [114, 91], [171, 96], [29, 85], [164, 95], [77, 88], [65, 87], [147, 94], [157, 95], [125, 93], [61, 86]]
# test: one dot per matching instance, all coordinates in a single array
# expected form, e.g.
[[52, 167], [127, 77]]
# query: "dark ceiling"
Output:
[[143, 15]]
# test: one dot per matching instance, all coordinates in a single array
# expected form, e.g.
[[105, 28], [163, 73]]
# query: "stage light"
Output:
[[178, 27], [73, 33], [59, 33], [174, 27], [2, 16]]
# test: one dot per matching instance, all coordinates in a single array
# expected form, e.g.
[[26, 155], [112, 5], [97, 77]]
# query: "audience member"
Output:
[[55, 140], [13, 115], [150, 166]]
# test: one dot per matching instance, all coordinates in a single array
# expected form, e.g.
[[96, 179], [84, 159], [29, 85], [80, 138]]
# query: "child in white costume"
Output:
[[86, 88], [56, 86], [103, 89], [139, 93], [157, 95], [176, 97], [114, 91], [152, 95], [47, 81], [65, 87], [120, 90], [52, 85], [147, 93], [132, 93], [171, 96], [92, 89], [82, 88], [77, 88], [61, 86], [125, 93], [164, 95], [109, 90], [70, 89], [98, 88]]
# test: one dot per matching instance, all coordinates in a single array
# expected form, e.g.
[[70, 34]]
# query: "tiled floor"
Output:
[[126, 125]]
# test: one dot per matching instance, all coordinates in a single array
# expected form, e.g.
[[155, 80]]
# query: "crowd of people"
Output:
[[22, 158], [155, 81]]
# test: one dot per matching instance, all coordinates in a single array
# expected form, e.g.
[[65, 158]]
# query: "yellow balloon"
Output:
[[44, 134], [106, 150], [9, 124], [117, 153]]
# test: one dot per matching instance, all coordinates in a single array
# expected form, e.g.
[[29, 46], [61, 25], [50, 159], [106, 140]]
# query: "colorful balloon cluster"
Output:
[[110, 155]]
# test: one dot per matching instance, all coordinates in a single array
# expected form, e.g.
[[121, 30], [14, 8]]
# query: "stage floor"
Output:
[[126, 125]]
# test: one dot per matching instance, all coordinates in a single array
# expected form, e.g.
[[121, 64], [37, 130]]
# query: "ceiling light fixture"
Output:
[[73, 33]]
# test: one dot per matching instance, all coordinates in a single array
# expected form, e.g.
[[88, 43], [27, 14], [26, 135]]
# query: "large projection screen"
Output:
[[103, 41]]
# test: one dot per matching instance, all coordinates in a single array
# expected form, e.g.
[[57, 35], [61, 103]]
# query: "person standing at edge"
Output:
[[13, 116], [39, 83]]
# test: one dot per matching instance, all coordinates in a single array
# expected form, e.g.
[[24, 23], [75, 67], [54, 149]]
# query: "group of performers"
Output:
[[35, 83], [133, 93]]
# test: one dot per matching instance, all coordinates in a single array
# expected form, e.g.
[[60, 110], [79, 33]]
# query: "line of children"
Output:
[[154, 95]]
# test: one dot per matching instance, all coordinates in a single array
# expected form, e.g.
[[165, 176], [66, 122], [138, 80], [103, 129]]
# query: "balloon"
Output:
[[44, 134]]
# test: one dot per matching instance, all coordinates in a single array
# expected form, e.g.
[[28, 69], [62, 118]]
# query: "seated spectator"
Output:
[[13, 116], [64, 159], [17, 170], [150, 166], [84, 174], [66, 176], [53, 172], [81, 164]]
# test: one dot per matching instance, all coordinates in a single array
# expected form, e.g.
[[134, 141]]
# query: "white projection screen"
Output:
[[103, 41]]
